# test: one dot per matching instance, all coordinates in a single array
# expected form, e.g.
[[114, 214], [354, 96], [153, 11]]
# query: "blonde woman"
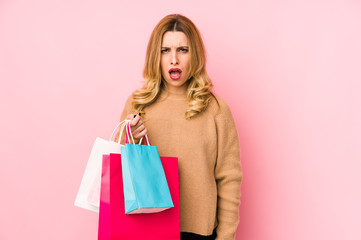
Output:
[[183, 118]]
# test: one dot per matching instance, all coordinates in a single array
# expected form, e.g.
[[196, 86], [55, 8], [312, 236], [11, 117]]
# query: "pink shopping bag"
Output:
[[115, 224]]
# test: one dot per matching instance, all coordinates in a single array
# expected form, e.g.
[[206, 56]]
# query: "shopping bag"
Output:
[[115, 224], [144, 183], [88, 196]]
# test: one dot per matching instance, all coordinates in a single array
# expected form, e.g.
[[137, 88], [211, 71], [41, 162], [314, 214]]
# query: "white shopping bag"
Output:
[[88, 196]]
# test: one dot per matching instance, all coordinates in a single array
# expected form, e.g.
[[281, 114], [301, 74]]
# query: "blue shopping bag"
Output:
[[144, 183]]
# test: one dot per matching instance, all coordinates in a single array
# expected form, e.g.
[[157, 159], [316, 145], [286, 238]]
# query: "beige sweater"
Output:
[[208, 154]]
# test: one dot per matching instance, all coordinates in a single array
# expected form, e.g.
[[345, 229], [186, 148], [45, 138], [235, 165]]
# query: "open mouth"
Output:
[[175, 73]]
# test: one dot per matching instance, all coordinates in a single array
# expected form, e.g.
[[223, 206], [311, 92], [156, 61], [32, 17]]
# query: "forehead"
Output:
[[174, 39]]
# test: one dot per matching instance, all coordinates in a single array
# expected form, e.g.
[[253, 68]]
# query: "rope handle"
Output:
[[129, 135], [122, 124]]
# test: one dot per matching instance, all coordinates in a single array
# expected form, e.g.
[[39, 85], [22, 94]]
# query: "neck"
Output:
[[176, 90], [172, 94]]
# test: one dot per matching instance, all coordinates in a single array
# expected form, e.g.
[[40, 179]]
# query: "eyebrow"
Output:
[[178, 47]]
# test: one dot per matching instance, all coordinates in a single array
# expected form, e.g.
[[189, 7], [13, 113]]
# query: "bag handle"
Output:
[[129, 132], [122, 124]]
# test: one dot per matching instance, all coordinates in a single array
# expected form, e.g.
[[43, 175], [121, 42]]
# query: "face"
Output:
[[175, 55]]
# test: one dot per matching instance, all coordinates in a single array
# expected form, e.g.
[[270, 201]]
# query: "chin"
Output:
[[175, 83]]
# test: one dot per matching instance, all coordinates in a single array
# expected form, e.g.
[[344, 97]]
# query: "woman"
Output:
[[183, 118]]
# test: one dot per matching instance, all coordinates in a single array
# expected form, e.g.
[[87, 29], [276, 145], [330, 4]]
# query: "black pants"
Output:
[[193, 236]]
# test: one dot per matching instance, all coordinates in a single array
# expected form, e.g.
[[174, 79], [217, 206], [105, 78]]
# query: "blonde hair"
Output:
[[199, 84]]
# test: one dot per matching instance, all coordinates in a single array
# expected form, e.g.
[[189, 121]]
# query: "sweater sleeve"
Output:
[[228, 174], [126, 110]]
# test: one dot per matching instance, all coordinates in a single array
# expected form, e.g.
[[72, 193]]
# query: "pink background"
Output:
[[290, 71]]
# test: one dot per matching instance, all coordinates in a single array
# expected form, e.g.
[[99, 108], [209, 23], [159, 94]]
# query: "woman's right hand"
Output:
[[137, 126]]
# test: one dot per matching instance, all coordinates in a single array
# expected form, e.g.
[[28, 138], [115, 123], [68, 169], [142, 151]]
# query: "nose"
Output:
[[174, 59]]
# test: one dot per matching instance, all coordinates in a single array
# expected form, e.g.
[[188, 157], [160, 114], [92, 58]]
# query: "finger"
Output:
[[135, 120], [138, 130], [130, 117], [142, 133], [139, 123]]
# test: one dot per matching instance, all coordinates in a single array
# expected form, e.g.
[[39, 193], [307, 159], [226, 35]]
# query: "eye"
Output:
[[184, 50], [163, 50]]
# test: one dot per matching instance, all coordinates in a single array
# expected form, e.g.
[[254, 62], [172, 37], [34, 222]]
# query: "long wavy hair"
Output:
[[200, 87]]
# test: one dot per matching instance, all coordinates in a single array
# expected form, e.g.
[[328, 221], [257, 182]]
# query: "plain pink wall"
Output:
[[290, 70]]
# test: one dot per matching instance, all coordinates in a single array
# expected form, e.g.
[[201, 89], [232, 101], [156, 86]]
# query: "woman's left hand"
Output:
[[137, 126]]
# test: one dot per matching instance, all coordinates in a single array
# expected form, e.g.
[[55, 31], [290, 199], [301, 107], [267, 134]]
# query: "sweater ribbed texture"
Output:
[[208, 152]]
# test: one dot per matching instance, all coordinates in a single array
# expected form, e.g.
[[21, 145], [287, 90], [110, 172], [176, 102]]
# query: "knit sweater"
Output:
[[208, 152]]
